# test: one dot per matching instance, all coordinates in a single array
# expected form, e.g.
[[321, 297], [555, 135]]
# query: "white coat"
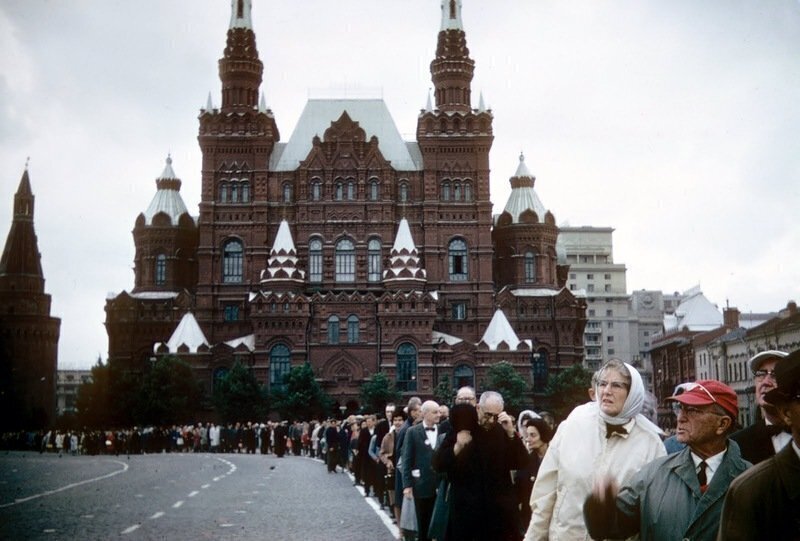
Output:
[[578, 455]]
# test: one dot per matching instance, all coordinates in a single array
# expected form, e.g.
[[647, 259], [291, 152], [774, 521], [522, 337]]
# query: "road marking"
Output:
[[177, 504], [157, 515], [140, 495], [240, 512], [225, 525], [215, 479], [193, 493], [69, 486], [205, 486], [387, 521], [87, 516], [130, 529], [49, 530]]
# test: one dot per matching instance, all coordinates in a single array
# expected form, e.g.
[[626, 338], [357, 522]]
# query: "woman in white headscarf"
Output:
[[608, 436]]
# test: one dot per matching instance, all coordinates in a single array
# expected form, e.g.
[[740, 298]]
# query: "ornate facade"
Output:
[[347, 247]]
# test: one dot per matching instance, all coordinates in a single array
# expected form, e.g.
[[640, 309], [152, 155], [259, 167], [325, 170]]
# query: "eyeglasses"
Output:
[[615, 385], [693, 386], [488, 415], [761, 374], [692, 411]]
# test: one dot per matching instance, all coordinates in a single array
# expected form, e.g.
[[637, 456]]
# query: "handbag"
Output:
[[441, 512], [408, 515]]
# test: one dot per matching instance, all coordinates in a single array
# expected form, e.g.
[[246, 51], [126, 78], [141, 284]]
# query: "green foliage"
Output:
[[239, 397], [567, 389], [443, 393], [168, 393], [302, 396], [503, 378], [378, 391], [93, 402]]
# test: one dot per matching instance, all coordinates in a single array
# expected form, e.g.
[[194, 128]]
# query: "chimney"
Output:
[[730, 317]]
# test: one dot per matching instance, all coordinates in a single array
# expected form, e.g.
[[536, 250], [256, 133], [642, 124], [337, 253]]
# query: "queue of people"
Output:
[[473, 472]]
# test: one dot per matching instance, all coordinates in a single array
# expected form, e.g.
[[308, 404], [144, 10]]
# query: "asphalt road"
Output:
[[183, 496]]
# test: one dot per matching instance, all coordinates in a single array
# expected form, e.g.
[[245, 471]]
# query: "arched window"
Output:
[[457, 259], [219, 374], [316, 190], [457, 191], [403, 192], [374, 190], [287, 193], [223, 193], [232, 262], [345, 261], [245, 197], [467, 192], [161, 269], [406, 367], [279, 366], [446, 191], [315, 261], [338, 191], [234, 192], [352, 329], [463, 375], [530, 267], [539, 370], [374, 261], [333, 330], [351, 190]]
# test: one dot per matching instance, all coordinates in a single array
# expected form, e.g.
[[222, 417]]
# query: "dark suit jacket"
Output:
[[763, 502], [755, 442], [416, 455]]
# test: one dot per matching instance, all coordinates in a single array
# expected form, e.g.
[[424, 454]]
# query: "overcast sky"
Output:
[[674, 122]]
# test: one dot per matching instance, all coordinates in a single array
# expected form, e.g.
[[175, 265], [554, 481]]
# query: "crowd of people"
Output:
[[474, 472]]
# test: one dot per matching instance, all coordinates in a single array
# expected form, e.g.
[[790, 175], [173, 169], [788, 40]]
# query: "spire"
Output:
[[167, 199], [240, 14], [209, 105], [21, 260], [481, 104], [282, 263], [428, 105], [262, 104], [452, 69], [498, 331], [523, 197], [404, 259], [240, 70], [451, 15]]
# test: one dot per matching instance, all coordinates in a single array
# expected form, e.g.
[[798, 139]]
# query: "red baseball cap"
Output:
[[709, 391]]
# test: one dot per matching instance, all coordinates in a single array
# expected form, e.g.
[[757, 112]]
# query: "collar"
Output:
[[712, 462], [627, 426]]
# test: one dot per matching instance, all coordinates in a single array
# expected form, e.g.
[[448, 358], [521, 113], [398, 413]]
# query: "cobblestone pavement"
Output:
[[183, 496]]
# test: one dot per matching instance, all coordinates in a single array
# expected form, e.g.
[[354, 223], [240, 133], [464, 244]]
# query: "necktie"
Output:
[[612, 429], [430, 428], [701, 476]]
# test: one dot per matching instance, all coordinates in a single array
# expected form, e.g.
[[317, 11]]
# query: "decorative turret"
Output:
[[524, 237], [240, 69], [452, 69], [166, 239], [282, 268], [404, 269], [21, 267]]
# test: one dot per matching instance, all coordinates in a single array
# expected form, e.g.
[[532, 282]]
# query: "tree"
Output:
[[443, 393], [302, 396], [239, 397], [92, 401], [378, 391], [568, 389], [503, 378], [168, 393]]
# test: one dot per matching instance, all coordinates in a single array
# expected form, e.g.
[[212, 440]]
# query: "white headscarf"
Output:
[[524, 417], [633, 404]]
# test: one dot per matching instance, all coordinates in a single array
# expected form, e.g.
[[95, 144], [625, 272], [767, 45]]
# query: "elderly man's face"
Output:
[[765, 383], [698, 425], [465, 397], [430, 416], [488, 413]]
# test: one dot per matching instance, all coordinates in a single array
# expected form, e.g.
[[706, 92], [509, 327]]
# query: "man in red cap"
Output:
[[678, 496], [768, 434], [762, 503]]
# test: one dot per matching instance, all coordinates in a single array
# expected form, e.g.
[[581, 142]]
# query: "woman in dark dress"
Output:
[[537, 437]]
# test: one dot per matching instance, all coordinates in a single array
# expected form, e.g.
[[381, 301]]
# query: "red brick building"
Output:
[[28, 333], [347, 247]]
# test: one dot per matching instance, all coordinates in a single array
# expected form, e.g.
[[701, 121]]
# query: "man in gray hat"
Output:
[[768, 434], [762, 503]]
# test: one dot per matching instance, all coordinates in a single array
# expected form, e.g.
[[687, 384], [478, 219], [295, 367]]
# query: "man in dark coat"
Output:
[[478, 456], [768, 435], [419, 479], [762, 503], [281, 434], [332, 443]]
